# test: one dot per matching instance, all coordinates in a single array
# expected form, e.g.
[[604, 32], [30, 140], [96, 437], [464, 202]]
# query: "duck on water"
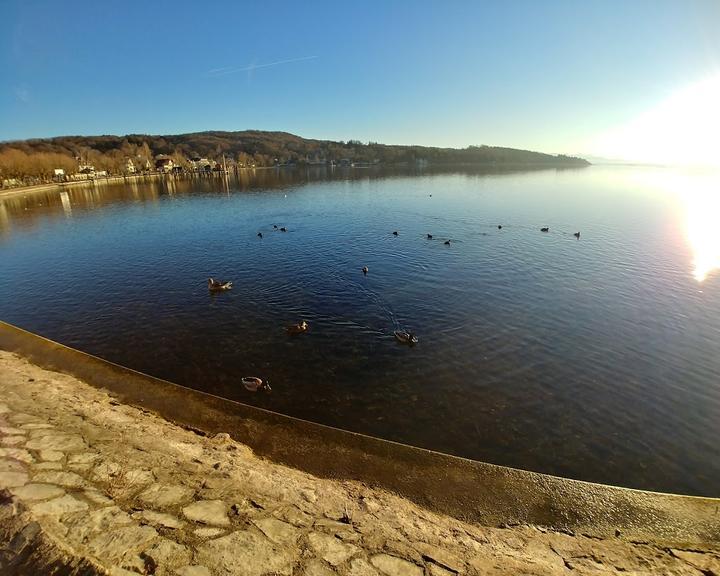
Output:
[[297, 328], [405, 337], [218, 285], [253, 384]]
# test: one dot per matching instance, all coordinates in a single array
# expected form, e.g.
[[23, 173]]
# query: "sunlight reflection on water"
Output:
[[703, 228]]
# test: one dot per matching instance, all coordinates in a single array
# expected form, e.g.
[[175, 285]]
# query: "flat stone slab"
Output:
[[8, 465], [246, 553], [435, 570], [17, 454], [12, 440], [394, 566], [208, 532], [166, 495], [330, 549], [97, 497], [293, 515], [440, 556], [43, 432], [106, 471], [47, 466], [59, 506], [361, 567], [278, 531], [37, 491], [167, 553], [91, 524], [116, 543], [66, 479], [193, 571], [51, 455], [37, 426], [317, 567], [703, 562], [138, 477], [13, 479], [213, 512], [83, 458], [64, 442], [21, 418], [159, 519]]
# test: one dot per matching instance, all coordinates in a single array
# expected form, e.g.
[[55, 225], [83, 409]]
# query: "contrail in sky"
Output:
[[251, 67]]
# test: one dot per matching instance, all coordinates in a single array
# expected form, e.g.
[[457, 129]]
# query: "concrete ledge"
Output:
[[472, 491]]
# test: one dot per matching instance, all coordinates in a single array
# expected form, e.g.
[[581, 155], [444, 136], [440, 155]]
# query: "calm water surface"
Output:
[[595, 358]]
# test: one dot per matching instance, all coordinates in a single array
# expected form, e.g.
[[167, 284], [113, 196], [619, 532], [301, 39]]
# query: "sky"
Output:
[[608, 77]]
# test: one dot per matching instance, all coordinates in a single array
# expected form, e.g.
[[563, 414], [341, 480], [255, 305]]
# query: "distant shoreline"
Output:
[[59, 186]]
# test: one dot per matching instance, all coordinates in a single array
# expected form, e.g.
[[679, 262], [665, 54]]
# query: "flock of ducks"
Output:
[[253, 383], [447, 242]]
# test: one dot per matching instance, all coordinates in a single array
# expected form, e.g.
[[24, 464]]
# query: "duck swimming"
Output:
[[259, 234], [365, 269], [297, 328], [253, 384], [283, 229], [546, 229], [499, 227], [218, 286], [405, 337], [429, 236], [395, 233], [577, 235], [447, 242], [275, 226]]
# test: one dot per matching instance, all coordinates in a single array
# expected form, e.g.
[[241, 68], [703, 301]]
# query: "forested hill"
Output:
[[266, 149]]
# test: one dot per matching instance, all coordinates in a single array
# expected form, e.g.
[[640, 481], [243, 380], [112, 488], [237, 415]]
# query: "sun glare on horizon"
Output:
[[684, 129]]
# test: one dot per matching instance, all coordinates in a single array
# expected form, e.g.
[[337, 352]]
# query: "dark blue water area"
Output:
[[593, 358]]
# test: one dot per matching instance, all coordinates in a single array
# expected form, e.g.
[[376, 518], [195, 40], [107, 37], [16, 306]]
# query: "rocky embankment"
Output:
[[91, 486]]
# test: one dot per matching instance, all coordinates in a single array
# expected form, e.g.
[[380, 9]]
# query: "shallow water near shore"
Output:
[[592, 358]]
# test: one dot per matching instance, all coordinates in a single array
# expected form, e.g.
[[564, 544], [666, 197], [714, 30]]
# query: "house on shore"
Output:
[[164, 164], [198, 164]]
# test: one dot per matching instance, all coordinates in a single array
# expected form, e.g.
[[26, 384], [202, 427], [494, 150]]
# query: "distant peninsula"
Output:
[[44, 159]]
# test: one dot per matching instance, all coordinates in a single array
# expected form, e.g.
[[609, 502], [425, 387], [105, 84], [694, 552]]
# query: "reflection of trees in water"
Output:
[[22, 210], [4, 220]]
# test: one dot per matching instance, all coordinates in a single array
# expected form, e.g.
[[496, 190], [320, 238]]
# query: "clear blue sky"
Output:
[[542, 75]]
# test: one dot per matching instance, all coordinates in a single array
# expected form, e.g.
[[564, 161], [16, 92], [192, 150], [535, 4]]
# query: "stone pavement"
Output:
[[91, 486]]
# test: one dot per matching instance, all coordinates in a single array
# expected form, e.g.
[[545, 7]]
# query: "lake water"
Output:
[[595, 358]]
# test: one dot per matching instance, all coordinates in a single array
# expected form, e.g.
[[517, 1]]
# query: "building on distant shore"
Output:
[[164, 164], [198, 164]]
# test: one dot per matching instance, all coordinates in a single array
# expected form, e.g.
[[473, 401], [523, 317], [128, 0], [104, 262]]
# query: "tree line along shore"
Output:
[[67, 158]]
